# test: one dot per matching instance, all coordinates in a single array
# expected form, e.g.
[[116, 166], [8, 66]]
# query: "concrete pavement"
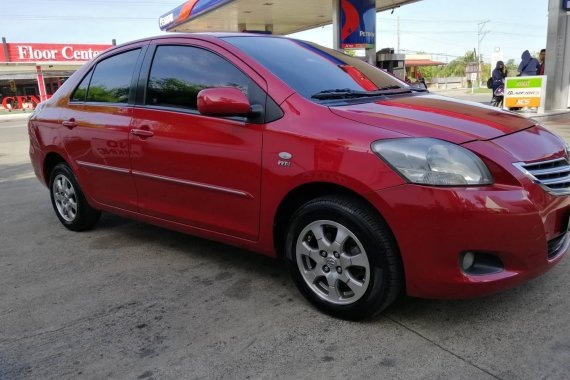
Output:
[[464, 94], [561, 127], [130, 300]]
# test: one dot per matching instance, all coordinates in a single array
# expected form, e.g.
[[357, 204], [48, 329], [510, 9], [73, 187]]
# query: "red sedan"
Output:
[[367, 187]]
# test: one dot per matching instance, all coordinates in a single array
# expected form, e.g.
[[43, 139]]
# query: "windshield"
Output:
[[316, 72]]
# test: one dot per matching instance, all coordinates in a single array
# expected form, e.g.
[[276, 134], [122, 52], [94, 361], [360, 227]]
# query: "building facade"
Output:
[[32, 72]]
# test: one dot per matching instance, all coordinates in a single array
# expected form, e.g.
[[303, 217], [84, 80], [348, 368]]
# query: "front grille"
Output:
[[552, 175], [555, 245]]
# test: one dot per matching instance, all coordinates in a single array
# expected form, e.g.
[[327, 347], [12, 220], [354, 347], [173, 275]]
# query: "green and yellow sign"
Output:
[[525, 92]]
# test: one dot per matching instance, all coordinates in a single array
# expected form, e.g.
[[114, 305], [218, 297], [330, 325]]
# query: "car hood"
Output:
[[436, 116]]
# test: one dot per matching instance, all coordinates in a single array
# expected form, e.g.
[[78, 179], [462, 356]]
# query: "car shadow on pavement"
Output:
[[250, 263], [15, 172], [192, 246]]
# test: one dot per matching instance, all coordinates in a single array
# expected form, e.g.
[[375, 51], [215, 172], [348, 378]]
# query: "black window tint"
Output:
[[111, 80], [305, 70], [81, 90], [178, 73], [309, 68]]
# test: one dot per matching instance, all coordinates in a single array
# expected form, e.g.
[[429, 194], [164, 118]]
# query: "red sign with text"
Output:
[[51, 52]]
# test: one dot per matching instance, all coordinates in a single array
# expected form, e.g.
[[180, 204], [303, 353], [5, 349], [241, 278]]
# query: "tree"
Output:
[[485, 71], [512, 67], [457, 67], [430, 72]]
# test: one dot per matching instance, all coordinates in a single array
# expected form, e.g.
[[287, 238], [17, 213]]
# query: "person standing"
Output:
[[529, 65], [421, 80], [542, 59]]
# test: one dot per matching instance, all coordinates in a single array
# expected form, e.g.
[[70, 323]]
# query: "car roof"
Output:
[[206, 36]]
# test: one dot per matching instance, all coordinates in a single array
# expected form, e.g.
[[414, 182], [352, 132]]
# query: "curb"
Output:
[[553, 116]]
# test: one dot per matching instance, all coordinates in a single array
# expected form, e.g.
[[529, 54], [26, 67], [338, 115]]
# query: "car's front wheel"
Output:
[[68, 200], [343, 257]]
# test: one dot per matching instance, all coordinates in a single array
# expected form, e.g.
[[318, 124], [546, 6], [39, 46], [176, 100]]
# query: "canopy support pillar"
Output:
[[557, 67], [336, 24]]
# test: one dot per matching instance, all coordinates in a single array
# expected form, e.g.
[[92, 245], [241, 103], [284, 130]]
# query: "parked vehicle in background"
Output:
[[367, 187]]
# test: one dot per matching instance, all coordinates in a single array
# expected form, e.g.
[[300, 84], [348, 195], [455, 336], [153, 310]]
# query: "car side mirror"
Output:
[[223, 101]]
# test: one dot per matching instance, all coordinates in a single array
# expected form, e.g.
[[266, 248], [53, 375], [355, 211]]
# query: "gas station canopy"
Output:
[[277, 16], [354, 27]]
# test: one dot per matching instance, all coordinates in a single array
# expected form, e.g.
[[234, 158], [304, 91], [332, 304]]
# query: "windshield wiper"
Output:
[[341, 93], [338, 93]]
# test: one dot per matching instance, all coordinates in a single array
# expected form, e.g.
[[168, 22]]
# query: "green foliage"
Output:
[[177, 92], [101, 93], [485, 71], [430, 72], [173, 91], [457, 67], [512, 68]]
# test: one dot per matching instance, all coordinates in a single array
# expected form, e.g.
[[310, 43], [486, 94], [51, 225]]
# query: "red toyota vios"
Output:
[[368, 187]]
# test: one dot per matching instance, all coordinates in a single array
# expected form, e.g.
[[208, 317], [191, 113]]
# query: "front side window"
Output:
[[179, 73], [111, 80]]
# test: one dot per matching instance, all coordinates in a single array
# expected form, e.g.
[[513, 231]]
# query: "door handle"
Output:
[[142, 133], [69, 123]]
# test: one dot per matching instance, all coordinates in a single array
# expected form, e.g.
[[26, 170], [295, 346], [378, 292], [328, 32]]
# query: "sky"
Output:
[[444, 28]]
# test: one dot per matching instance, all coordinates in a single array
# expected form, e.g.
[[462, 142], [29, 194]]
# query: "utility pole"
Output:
[[398, 28], [481, 33]]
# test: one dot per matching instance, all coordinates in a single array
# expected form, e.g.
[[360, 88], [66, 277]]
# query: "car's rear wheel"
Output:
[[68, 200], [343, 257]]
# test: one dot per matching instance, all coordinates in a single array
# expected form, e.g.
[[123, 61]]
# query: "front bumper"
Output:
[[515, 220], [433, 226]]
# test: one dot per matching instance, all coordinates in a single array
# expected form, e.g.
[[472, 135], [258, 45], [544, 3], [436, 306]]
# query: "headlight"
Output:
[[433, 162]]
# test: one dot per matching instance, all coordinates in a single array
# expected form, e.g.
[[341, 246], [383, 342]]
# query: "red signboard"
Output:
[[23, 52]]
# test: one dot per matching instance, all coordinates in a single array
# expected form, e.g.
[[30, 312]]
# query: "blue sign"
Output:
[[358, 24], [187, 11], [566, 5]]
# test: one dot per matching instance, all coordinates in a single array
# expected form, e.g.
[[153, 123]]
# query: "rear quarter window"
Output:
[[80, 92]]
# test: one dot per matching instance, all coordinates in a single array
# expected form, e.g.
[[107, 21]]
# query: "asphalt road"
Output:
[[130, 300]]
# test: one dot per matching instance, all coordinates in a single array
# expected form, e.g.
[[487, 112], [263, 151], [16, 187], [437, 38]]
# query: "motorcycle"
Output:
[[498, 97]]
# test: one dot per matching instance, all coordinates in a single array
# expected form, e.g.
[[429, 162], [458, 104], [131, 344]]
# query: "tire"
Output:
[[68, 200], [497, 102], [361, 273]]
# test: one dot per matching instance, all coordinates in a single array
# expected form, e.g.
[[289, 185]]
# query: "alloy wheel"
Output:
[[65, 198], [333, 262]]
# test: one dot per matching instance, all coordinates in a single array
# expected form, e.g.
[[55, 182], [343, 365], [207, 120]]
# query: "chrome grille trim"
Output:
[[550, 171], [556, 181], [552, 175]]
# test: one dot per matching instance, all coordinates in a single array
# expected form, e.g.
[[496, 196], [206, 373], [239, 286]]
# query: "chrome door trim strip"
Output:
[[103, 167], [239, 193]]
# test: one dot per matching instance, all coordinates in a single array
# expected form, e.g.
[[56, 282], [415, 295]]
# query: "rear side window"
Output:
[[81, 91], [111, 80], [179, 73]]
